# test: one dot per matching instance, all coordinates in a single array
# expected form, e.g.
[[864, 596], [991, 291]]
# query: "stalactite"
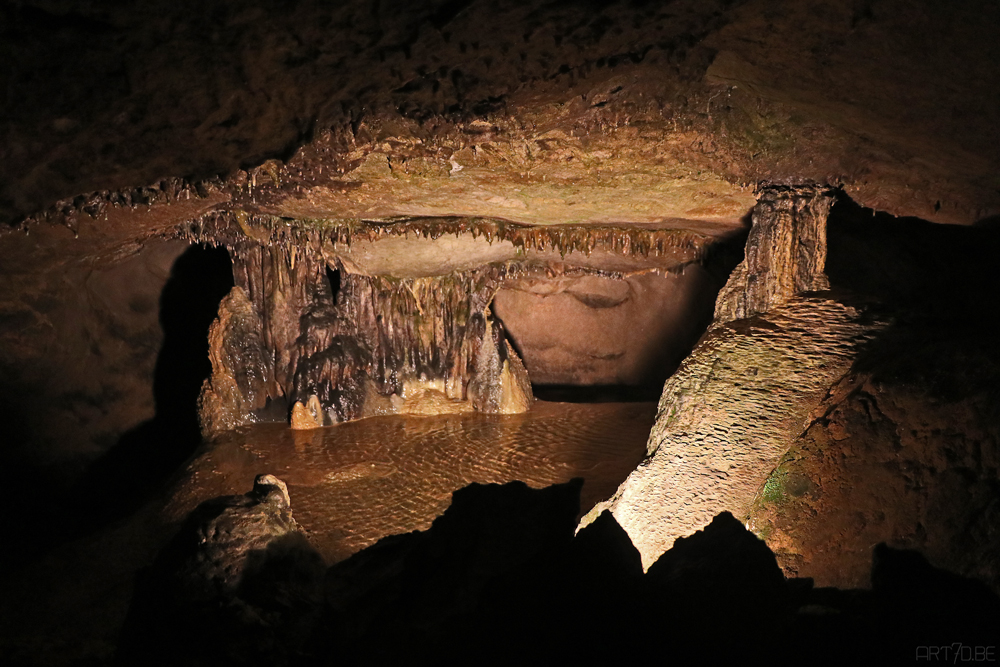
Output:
[[385, 345], [232, 227], [388, 342]]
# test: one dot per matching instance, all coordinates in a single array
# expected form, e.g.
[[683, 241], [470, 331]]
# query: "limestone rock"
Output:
[[515, 387], [428, 397], [238, 583], [785, 252], [307, 416], [728, 415], [884, 462], [501, 383], [241, 372]]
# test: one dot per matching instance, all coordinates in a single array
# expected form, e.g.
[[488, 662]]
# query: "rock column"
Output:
[[785, 252], [748, 389], [381, 346]]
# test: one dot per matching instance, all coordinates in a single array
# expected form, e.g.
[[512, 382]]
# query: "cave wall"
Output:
[[79, 352], [830, 419], [728, 414], [604, 330]]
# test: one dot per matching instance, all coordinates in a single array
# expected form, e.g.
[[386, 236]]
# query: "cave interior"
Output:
[[482, 321]]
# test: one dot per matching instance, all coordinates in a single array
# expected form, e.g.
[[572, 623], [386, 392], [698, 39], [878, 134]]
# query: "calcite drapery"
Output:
[[380, 345]]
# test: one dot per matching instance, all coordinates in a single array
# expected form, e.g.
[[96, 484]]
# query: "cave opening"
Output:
[[333, 278]]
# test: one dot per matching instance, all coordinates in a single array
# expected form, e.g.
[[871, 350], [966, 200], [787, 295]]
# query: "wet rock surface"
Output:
[[368, 349], [728, 414], [874, 396], [785, 253]]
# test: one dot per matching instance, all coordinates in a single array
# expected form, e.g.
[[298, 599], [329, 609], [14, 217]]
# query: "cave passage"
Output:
[[598, 338]]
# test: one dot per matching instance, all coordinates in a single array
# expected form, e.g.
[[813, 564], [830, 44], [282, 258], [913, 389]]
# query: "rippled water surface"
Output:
[[357, 482]]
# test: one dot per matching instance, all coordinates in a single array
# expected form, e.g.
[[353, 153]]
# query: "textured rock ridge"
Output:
[[728, 415], [748, 389], [785, 252]]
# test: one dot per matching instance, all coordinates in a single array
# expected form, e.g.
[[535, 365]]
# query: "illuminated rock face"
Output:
[[785, 253], [418, 316], [893, 458], [830, 421], [728, 414], [604, 330]]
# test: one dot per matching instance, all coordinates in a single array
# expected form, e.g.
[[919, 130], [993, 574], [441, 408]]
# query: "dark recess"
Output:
[[145, 457], [501, 579]]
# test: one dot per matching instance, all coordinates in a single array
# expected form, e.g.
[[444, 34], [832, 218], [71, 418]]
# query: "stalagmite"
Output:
[[307, 416], [241, 370]]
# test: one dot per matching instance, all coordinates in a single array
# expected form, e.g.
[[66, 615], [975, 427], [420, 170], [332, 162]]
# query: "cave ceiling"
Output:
[[125, 120]]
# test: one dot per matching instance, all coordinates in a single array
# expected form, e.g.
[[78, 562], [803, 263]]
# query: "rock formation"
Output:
[[728, 414], [504, 193], [242, 377], [238, 581], [380, 346], [825, 419], [502, 576], [785, 253], [411, 328]]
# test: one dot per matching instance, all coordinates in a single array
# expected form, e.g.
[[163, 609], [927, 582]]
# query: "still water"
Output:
[[357, 482]]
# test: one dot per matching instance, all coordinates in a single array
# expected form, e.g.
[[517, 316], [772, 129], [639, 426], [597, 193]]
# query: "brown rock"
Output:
[[728, 415], [785, 253], [909, 460], [307, 416], [240, 367]]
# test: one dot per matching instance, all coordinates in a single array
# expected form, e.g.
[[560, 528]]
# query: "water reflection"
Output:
[[355, 483]]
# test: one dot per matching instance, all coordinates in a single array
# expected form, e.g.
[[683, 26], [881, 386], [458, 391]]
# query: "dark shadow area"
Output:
[[917, 414], [137, 466], [908, 264], [333, 277], [239, 579], [501, 578], [937, 284]]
